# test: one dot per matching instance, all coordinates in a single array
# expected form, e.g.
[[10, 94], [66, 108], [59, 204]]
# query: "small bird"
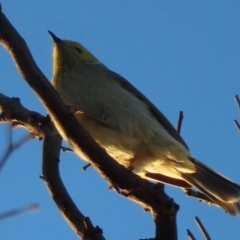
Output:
[[130, 128]]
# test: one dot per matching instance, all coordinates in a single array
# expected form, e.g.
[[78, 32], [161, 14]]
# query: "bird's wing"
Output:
[[158, 115]]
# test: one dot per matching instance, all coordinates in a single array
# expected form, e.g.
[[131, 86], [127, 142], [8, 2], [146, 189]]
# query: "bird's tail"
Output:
[[216, 187]]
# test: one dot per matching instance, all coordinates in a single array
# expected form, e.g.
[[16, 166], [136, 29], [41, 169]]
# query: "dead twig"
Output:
[[202, 228], [190, 235], [17, 211], [12, 147], [180, 120], [237, 101], [85, 167]]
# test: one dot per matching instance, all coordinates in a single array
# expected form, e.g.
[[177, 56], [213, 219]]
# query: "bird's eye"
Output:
[[79, 50]]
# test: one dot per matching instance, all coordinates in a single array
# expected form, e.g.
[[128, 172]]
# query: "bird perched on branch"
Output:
[[130, 128]]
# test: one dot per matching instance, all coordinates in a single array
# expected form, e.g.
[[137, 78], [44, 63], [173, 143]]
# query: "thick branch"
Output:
[[12, 111], [81, 224]]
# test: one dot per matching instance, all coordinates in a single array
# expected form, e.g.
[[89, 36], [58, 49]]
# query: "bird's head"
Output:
[[69, 54]]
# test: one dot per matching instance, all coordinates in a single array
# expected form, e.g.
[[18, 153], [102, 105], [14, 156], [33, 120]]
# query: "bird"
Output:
[[130, 127]]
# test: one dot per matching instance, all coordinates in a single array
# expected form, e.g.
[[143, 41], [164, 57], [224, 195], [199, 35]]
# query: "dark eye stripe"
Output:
[[79, 50]]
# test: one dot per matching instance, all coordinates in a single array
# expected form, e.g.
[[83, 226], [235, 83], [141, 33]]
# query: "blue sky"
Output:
[[183, 55]]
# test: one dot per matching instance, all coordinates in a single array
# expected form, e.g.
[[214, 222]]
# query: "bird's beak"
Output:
[[55, 38]]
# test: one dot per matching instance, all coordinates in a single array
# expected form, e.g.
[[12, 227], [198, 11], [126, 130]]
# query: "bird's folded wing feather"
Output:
[[158, 115]]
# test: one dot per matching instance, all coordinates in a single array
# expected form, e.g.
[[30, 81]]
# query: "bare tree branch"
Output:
[[180, 120], [11, 147], [66, 149], [202, 228], [85, 167], [190, 235], [81, 224], [15, 113], [238, 105], [237, 124], [17, 211], [237, 101], [162, 208]]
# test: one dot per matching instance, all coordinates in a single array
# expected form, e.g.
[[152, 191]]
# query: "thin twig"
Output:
[[66, 149], [202, 228], [236, 98], [17, 211], [190, 235], [237, 101], [237, 124], [180, 119], [85, 167], [12, 147]]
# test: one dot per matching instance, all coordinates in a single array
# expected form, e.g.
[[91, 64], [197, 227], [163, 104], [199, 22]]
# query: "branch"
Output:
[[51, 176], [145, 193], [15, 113], [180, 119], [190, 235], [202, 228], [237, 101], [238, 105], [17, 211], [11, 147]]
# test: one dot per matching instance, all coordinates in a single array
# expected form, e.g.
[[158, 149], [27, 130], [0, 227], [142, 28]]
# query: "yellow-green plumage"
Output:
[[131, 129]]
